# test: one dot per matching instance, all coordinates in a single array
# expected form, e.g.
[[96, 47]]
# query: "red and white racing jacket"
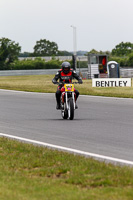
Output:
[[66, 78]]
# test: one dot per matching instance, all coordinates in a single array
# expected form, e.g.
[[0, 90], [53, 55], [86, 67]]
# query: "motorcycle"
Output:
[[67, 100]]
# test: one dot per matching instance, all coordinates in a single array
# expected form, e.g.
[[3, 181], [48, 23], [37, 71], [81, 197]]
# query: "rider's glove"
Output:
[[80, 81], [54, 81], [61, 84]]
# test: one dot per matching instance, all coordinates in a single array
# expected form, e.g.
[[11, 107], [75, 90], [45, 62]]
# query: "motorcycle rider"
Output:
[[65, 75]]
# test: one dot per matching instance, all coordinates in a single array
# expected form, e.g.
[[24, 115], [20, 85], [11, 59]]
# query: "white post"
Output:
[[74, 42]]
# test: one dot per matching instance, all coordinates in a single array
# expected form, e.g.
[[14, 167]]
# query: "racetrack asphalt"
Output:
[[102, 125]]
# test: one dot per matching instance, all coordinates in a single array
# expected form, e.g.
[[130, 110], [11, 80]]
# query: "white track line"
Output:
[[69, 149]]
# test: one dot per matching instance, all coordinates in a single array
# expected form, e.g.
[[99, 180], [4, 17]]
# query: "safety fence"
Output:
[[61, 58], [124, 72]]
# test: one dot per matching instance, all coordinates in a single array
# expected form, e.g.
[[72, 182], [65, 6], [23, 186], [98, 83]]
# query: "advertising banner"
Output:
[[111, 82]]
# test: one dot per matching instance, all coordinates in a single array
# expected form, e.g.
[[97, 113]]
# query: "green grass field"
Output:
[[43, 83], [29, 172]]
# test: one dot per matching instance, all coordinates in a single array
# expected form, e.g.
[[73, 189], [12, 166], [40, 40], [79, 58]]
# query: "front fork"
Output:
[[73, 97]]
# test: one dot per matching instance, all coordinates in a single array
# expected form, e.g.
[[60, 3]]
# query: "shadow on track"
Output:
[[85, 119]]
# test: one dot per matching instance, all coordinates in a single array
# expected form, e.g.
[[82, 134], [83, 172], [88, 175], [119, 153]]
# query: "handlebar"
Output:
[[59, 83], [75, 83]]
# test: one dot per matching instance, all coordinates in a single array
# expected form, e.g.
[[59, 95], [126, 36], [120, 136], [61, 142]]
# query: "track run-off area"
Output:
[[102, 127]]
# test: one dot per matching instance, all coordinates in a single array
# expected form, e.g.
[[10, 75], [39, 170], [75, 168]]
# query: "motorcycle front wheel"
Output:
[[70, 109]]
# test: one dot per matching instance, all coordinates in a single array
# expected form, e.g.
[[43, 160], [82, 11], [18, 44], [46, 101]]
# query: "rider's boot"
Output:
[[58, 106], [58, 101], [76, 107]]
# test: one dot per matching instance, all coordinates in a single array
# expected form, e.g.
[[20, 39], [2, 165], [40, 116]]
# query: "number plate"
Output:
[[69, 87]]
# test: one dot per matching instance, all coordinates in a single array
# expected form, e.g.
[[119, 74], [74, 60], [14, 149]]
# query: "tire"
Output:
[[71, 109], [64, 113]]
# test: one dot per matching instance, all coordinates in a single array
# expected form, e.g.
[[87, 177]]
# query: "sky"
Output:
[[100, 24]]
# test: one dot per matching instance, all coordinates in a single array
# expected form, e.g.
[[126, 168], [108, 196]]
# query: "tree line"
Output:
[[10, 51]]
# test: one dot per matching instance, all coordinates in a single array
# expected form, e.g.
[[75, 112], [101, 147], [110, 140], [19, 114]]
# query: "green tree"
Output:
[[93, 51], [25, 54], [130, 60], [123, 49], [64, 53], [44, 47], [9, 51]]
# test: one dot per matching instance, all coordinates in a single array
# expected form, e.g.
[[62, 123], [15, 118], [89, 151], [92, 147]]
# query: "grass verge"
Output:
[[43, 83], [32, 172]]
